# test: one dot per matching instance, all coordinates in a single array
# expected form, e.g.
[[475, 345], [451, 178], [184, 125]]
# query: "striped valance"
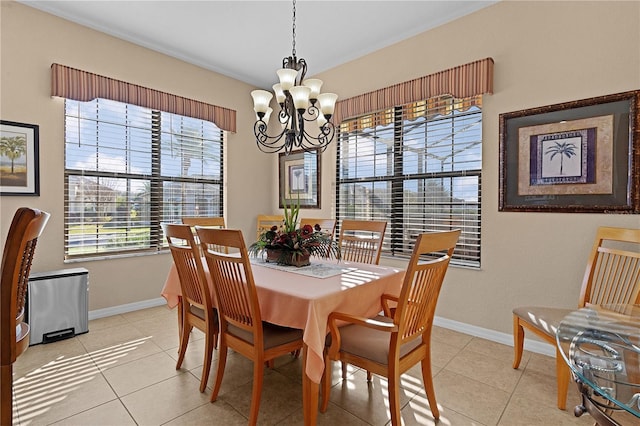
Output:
[[475, 78], [84, 86]]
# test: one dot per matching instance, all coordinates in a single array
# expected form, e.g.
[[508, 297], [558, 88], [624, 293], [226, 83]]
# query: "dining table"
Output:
[[303, 298]]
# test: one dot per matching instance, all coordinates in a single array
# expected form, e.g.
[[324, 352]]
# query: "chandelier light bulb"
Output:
[[261, 99], [314, 85], [327, 103], [300, 95], [287, 78], [321, 120], [277, 89]]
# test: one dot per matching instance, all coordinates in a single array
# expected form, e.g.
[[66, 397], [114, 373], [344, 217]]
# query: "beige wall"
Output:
[[544, 52]]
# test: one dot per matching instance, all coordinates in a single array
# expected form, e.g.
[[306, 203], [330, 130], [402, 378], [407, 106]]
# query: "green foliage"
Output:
[[291, 240]]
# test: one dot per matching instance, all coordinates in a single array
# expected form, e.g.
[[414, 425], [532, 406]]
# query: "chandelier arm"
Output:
[[265, 142]]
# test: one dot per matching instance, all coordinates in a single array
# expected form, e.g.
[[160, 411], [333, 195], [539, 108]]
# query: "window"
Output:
[[417, 166], [129, 168]]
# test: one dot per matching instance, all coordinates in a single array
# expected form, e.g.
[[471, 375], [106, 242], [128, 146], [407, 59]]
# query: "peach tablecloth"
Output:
[[304, 302]]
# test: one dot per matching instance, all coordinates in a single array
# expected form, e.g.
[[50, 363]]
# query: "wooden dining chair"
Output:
[[361, 240], [215, 221], [612, 277], [196, 308], [241, 325], [390, 344], [328, 226], [265, 222], [19, 249]]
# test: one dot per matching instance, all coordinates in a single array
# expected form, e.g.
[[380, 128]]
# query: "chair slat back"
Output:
[[265, 222], [361, 240], [233, 281], [422, 283], [208, 221], [186, 256], [327, 226], [19, 249], [613, 270], [204, 221]]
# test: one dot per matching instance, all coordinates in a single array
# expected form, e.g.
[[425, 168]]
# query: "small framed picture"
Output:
[[300, 178], [19, 164]]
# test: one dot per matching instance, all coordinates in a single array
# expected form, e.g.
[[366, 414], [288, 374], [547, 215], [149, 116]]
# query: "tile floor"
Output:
[[123, 373]]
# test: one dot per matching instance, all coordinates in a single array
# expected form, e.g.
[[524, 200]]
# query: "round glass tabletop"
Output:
[[601, 345]]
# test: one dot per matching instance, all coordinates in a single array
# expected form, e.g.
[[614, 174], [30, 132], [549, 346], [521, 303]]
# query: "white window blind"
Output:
[[417, 166], [129, 168]]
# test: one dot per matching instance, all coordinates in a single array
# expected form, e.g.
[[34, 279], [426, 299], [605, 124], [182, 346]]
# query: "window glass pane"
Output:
[[434, 182], [124, 176]]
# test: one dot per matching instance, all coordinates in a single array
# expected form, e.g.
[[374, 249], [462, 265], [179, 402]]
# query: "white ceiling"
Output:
[[247, 40]]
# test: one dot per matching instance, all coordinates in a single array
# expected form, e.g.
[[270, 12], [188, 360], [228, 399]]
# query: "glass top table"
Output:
[[601, 345]]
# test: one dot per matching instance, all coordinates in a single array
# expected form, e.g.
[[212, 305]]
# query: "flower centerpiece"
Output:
[[288, 244]]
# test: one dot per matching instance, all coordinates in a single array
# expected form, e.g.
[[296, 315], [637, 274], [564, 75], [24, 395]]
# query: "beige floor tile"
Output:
[[486, 369], [469, 397], [450, 337], [238, 372], [526, 411], [194, 357], [157, 311], [109, 414], [166, 400], [333, 416], [107, 322], [112, 336], [442, 353], [280, 398], [417, 412], [55, 396], [367, 400], [496, 350], [143, 372], [217, 413], [39, 356], [127, 351]]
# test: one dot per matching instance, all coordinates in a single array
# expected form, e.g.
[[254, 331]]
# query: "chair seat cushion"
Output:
[[543, 318], [369, 343], [199, 312], [273, 335]]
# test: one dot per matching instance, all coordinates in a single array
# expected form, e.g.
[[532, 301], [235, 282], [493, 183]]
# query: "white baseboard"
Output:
[[129, 307], [495, 336], [484, 333]]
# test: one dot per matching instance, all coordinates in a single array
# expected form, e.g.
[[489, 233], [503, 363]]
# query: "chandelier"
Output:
[[304, 111]]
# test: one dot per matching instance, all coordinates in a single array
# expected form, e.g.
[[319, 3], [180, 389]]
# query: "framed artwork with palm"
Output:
[[19, 163], [579, 156]]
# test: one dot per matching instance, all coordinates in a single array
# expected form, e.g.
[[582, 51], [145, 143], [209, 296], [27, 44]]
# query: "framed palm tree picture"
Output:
[[579, 156], [19, 166]]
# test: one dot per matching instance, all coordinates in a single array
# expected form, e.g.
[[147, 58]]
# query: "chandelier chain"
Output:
[[293, 51]]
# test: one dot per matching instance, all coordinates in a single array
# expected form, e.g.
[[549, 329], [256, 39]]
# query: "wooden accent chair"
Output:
[[196, 309], [361, 240], [326, 225], [19, 249], [612, 277], [389, 345], [241, 325], [215, 221], [265, 222]]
